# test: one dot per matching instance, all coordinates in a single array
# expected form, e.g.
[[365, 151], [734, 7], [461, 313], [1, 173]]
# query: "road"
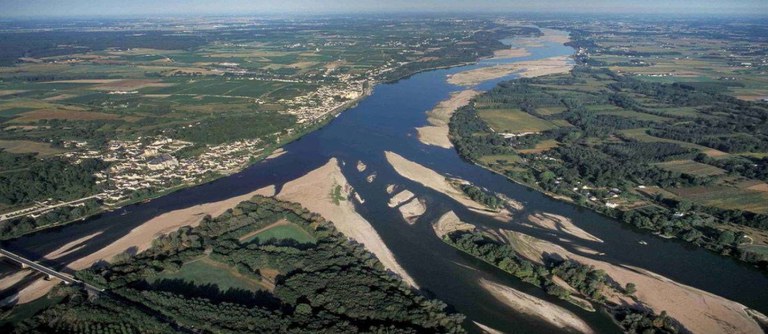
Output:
[[47, 271]]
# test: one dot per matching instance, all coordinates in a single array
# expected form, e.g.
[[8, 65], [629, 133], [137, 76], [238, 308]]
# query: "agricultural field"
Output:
[[279, 231], [206, 271], [691, 167], [729, 58], [513, 121], [726, 197]]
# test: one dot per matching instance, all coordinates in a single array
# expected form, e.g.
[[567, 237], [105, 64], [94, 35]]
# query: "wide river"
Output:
[[386, 121]]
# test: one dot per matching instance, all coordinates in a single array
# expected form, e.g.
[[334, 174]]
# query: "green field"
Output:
[[514, 121], [204, 271], [690, 167], [281, 231]]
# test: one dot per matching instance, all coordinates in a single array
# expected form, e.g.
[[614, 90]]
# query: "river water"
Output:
[[386, 121]]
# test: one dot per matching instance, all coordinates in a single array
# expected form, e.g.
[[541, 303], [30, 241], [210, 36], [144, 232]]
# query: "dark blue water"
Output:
[[386, 121]]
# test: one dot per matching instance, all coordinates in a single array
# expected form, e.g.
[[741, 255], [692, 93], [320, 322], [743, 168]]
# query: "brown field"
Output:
[[86, 81], [73, 115], [129, 85], [10, 92], [27, 146], [690, 167], [59, 97], [726, 197]]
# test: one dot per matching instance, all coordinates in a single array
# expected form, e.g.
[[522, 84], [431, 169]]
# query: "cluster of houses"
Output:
[[325, 100], [150, 163]]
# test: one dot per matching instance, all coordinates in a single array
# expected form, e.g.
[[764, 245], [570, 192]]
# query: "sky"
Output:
[[85, 8]]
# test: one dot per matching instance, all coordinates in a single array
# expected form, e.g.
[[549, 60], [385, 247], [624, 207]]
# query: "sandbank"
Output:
[[313, 192], [436, 133], [524, 69], [536, 307]]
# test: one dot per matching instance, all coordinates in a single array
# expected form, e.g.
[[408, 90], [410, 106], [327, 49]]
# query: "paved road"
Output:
[[48, 271]]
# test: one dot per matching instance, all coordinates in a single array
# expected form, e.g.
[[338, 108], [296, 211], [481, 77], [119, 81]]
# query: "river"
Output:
[[386, 121]]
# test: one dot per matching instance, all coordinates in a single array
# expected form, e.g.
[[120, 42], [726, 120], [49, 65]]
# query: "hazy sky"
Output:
[[26, 8]]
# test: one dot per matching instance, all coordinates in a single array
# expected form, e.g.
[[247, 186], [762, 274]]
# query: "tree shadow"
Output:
[[213, 292]]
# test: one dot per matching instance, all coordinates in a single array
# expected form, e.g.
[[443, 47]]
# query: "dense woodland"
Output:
[[330, 285], [25, 178], [598, 160]]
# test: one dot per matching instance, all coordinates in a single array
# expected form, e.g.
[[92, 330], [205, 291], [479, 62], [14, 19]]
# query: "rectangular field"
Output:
[[514, 121], [726, 197], [205, 271], [27, 146], [690, 167]]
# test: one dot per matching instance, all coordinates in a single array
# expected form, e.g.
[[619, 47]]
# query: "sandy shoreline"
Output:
[[313, 191], [142, 236], [525, 69], [436, 133], [450, 222], [139, 238], [536, 307], [560, 224], [698, 311], [510, 53]]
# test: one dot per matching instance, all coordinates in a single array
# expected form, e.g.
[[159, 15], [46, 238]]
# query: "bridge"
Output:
[[48, 272]]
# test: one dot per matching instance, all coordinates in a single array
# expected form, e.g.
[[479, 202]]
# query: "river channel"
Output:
[[386, 121]]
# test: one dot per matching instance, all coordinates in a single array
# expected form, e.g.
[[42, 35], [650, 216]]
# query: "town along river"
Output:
[[386, 121]]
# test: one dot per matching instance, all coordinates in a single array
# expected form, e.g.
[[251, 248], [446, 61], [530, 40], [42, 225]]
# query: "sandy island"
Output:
[[412, 210], [450, 222], [698, 311], [536, 307], [400, 198], [487, 329], [525, 69], [431, 179], [437, 132], [560, 224], [510, 53], [313, 192]]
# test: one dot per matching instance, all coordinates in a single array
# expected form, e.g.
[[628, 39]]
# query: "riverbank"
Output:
[[536, 307], [437, 132]]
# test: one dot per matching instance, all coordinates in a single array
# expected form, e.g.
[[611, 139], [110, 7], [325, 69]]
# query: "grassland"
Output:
[[206, 271], [279, 231], [514, 121]]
